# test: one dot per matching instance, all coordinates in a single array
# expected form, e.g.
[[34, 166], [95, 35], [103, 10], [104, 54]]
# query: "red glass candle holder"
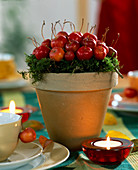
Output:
[[103, 156], [25, 114]]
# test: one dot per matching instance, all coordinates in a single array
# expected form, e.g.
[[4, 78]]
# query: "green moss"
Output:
[[36, 68]]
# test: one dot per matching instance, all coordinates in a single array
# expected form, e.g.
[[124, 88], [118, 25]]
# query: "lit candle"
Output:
[[108, 151], [107, 143], [22, 111], [12, 108]]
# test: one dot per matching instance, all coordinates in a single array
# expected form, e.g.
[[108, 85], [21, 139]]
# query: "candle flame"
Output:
[[12, 106], [108, 143]]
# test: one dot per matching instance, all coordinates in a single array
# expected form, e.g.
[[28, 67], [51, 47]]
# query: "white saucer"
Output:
[[123, 108], [24, 153], [12, 84], [122, 104], [53, 156]]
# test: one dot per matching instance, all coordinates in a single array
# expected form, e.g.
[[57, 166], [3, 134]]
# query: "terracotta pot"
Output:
[[74, 105]]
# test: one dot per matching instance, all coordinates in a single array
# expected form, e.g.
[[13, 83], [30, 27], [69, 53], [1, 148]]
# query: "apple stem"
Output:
[[52, 29], [71, 27], [48, 47], [33, 41], [42, 29], [92, 29], [104, 35], [71, 24], [85, 42], [112, 43], [60, 26], [63, 24], [82, 24], [87, 27], [118, 35]]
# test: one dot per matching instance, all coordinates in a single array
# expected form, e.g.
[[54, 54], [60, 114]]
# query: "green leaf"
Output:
[[34, 124], [135, 148]]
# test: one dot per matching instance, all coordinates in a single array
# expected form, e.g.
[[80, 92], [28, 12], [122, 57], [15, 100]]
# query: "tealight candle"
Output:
[[12, 108], [8, 111], [22, 111], [107, 151], [107, 143]]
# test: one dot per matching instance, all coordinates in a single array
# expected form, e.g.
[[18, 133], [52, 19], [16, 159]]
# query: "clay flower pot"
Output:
[[74, 105]]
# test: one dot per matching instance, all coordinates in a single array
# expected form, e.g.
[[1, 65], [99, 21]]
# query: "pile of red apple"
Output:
[[129, 95], [130, 92], [74, 45]]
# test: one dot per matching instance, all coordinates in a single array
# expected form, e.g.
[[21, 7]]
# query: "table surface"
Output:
[[77, 160]]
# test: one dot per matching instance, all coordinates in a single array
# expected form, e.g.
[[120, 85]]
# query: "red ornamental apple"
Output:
[[57, 54], [102, 41], [59, 41], [47, 43], [62, 33], [75, 36], [99, 42], [103, 44], [34, 51], [84, 53], [28, 135], [72, 45], [79, 33], [88, 42], [130, 92], [89, 36], [69, 55], [112, 52], [41, 52], [100, 52]]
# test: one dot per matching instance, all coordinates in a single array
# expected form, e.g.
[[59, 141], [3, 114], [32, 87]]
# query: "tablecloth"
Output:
[[77, 160]]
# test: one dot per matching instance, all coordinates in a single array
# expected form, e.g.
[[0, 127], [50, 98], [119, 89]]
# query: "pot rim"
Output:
[[77, 81]]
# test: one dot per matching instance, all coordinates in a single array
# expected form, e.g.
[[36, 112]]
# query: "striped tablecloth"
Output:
[[77, 160]]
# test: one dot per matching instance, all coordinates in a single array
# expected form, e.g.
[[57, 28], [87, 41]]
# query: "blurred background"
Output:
[[20, 19]]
